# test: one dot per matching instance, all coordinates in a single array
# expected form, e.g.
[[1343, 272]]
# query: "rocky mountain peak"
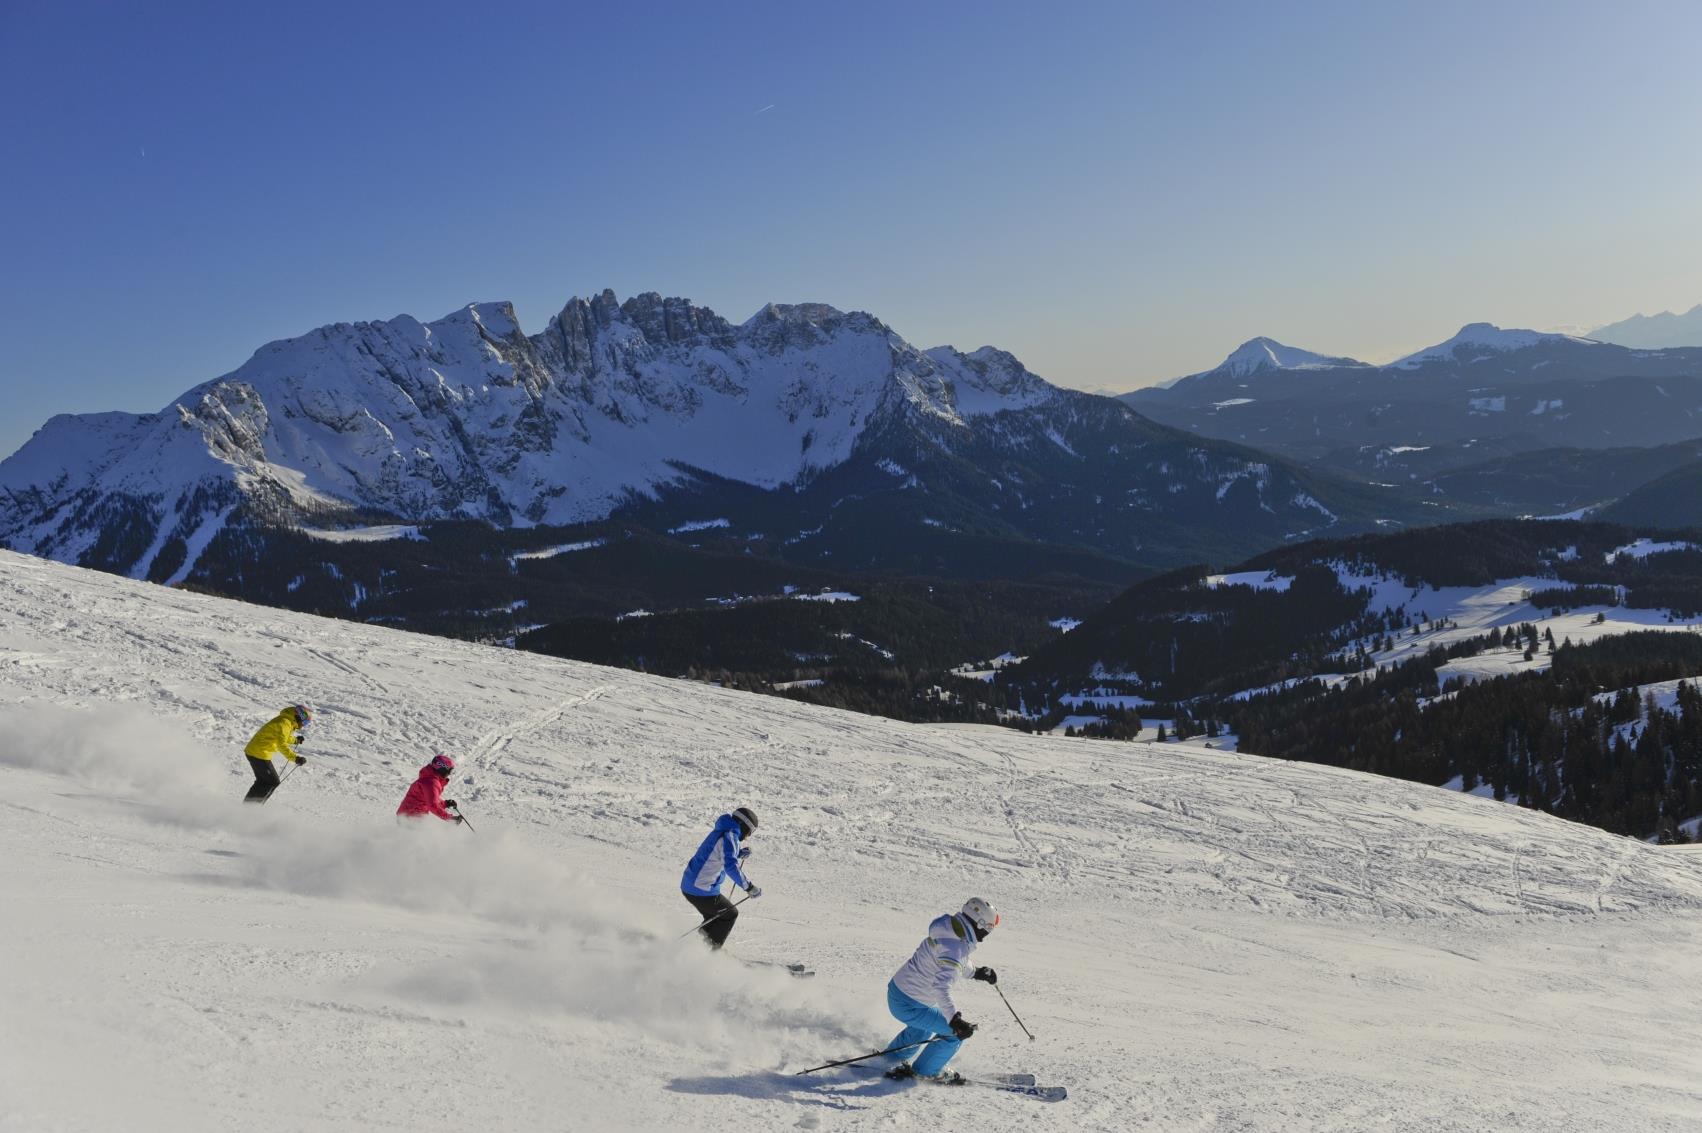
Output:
[[815, 314], [470, 417], [989, 379], [676, 321]]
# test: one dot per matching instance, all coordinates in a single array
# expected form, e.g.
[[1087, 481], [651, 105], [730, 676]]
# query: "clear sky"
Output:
[[1118, 193]]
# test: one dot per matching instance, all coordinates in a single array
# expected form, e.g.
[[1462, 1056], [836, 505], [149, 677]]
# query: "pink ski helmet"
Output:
[[442, 764]]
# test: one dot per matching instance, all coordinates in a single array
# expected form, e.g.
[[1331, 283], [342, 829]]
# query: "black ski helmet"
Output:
[[746, 818]]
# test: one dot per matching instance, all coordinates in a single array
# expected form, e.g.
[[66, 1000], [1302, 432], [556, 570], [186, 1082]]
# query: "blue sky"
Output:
[[1118, 193]]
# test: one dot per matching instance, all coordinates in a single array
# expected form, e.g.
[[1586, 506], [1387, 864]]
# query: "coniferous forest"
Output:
[[1576, 740]]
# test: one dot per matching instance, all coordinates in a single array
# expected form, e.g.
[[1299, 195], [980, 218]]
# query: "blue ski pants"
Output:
[[921, 1022]]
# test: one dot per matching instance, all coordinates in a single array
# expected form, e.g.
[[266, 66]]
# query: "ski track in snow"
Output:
[[1200, 939], [494, 745]]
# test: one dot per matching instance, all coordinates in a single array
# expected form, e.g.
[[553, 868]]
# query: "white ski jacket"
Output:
[[939, 961]]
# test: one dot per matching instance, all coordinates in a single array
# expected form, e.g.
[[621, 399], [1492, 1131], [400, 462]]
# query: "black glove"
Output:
[[961, 1027], [450, 803], [300, 760], [986, 975]]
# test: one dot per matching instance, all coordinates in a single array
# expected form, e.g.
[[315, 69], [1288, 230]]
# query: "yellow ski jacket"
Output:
[[276, 738]]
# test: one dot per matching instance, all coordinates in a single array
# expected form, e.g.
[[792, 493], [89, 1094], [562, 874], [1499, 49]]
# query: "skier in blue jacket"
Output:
[[720, 857]]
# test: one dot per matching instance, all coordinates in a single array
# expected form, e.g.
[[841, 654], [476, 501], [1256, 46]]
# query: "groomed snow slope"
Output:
[[1200, 940]]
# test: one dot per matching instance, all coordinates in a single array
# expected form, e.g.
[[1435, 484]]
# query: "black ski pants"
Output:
[[715, 931], [265, 780]]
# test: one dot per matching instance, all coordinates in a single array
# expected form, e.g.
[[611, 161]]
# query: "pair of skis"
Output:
[[1023, 1084]]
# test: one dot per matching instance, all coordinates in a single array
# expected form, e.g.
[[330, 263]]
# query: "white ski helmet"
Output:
[[980, 914]]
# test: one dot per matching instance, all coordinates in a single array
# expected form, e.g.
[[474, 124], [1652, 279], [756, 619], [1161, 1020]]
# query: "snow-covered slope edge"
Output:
[[1198, 938]]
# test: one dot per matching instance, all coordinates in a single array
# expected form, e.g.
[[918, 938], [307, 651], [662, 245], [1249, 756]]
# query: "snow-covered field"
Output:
[[1200, 940], [1451, 614], [1448, 615]]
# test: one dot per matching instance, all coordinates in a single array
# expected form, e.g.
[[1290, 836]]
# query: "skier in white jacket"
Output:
[[919, 995]]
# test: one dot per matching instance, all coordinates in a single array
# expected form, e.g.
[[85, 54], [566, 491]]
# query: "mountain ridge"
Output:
[[798, 426], [1475, 341], [1655, 332], [1516, 389]]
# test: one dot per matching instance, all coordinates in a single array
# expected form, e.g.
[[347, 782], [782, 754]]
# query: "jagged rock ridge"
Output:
[[612, 404]]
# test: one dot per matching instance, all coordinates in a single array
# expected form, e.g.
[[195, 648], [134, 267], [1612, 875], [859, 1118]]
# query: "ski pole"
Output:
[[716, 917], [281, 782], [1014, 1015], [876, 1054], [461, 816]]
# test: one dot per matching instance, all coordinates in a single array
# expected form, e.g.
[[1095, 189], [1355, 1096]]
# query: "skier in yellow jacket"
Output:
[[280, 736]]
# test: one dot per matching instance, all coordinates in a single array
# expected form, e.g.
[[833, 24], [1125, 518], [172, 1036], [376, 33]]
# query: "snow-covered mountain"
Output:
[[1655, 332], [1268, 354], [469, 417], [618, 405], [1476, 341], [1507, 390], [1196, 938]]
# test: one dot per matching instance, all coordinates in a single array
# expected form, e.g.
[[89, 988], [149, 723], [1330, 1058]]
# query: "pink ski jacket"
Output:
[[425, 796]]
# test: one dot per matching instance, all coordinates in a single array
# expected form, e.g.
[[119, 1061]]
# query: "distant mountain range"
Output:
[[805, 434], [1655, 332], [1510, 390]]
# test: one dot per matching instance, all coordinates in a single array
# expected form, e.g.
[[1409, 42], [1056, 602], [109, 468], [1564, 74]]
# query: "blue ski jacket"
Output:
[[715, 861]]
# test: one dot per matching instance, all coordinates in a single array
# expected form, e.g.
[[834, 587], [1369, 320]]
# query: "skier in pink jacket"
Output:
[[425, 794]]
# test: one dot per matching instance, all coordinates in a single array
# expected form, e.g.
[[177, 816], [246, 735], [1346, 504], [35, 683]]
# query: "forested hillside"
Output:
[[1577, 740]]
